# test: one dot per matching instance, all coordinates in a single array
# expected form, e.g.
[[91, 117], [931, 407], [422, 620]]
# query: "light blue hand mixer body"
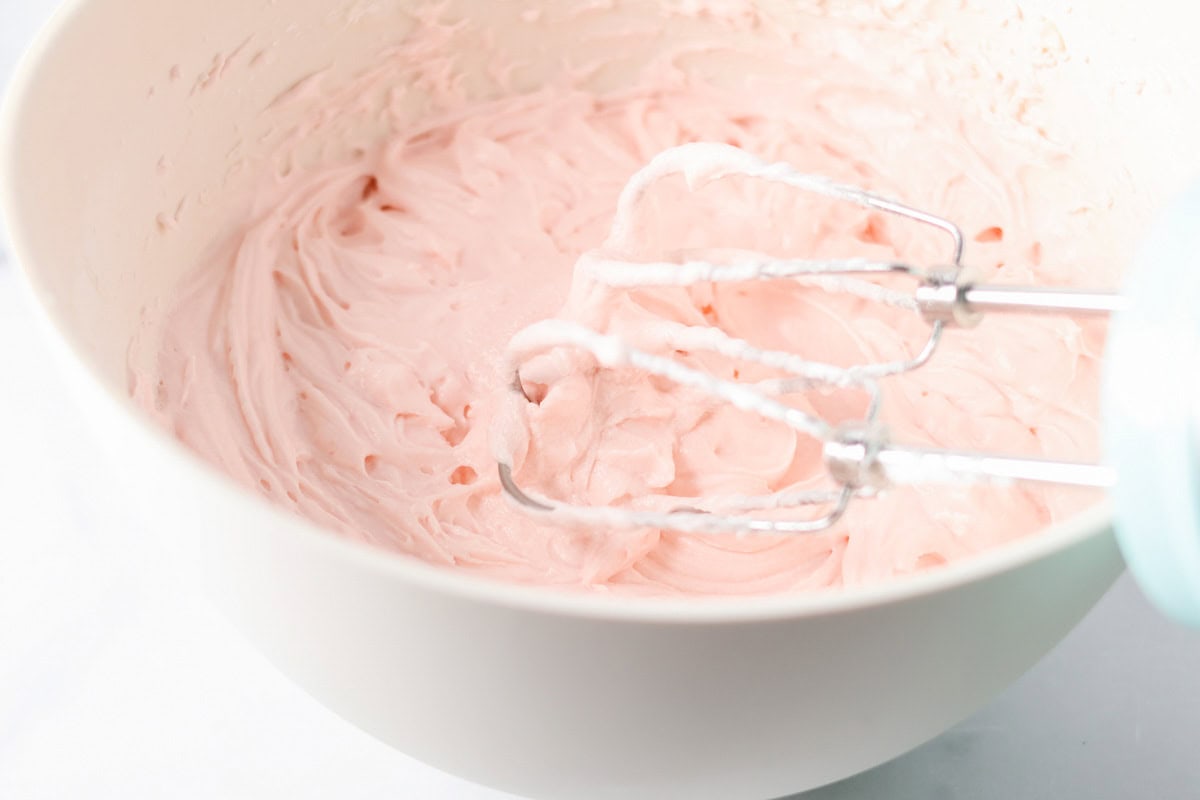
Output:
[[1151, 387]]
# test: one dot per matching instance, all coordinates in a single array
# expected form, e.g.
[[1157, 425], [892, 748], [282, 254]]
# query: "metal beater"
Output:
[[860, 457]]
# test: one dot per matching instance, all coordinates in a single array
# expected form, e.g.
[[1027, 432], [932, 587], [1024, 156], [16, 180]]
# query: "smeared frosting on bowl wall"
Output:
[[341, 353]]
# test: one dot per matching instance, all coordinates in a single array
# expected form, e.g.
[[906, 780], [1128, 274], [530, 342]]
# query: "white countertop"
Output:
[[114, 685]]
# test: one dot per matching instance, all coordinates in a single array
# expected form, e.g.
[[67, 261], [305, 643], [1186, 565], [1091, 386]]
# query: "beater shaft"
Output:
[[857, 463], [1027, 300], [943, 297]]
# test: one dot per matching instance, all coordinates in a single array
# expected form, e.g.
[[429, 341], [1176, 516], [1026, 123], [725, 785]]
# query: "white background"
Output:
[[114, 683]]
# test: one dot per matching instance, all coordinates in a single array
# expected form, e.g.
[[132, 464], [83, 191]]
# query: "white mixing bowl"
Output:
[[110, 125]]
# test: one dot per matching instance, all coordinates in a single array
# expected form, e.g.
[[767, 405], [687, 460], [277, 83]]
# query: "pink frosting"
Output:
[[344, 356]]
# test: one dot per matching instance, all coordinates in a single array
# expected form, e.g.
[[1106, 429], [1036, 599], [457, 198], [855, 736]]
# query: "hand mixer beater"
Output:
[[1151, 419]]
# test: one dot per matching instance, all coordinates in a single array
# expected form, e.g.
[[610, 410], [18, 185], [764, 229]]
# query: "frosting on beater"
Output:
[[344, 355]]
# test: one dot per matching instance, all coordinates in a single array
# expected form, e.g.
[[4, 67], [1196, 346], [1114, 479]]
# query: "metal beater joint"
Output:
[[851, 457], [942, 297]]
